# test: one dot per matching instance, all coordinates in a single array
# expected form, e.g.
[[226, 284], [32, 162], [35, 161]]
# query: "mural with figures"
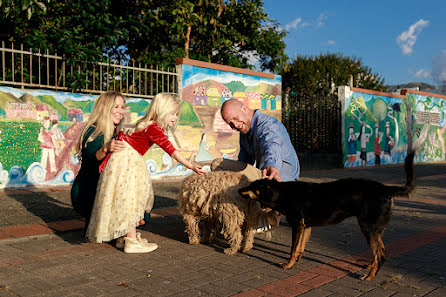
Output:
[[203, 92], [430, 119], [376, 128], [38, 132]]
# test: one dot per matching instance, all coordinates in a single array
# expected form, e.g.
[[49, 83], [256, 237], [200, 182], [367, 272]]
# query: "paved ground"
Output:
[[42, 252]]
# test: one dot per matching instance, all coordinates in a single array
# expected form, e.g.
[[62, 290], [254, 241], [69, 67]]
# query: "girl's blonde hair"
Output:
[[162, 105], [101, 119]]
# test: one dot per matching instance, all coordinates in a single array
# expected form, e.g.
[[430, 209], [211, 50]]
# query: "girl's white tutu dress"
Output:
[[124, 189]]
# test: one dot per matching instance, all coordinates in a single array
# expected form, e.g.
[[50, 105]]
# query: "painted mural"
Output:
[[204, 91], [430, 119], [376, 128], [39, 129]]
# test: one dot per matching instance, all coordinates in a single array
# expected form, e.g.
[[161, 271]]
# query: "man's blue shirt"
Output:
[[268, 144]]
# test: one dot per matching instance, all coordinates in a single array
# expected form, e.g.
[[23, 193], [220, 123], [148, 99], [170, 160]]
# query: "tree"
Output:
[[217, 31], [81, 31], [151, 31], [14, 11], [321, 75]]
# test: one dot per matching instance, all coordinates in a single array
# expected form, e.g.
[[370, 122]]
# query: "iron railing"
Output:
[[29, 68], [313, 122]]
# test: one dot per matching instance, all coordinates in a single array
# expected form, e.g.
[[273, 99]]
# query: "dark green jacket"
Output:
[[84, 186]]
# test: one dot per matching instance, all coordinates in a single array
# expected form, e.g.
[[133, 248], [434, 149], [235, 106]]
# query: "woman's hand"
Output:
[[116, 146], [110, 147]]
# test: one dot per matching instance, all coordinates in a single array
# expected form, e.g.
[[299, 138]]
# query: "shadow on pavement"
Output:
[[46, 206]]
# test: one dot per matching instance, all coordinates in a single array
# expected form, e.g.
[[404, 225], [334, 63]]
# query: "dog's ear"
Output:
[[248, 193]]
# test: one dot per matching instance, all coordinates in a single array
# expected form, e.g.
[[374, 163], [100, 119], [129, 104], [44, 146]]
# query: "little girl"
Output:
[[124, 190]]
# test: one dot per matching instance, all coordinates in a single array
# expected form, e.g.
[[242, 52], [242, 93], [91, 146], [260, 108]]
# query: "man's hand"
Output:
[[271, 172]]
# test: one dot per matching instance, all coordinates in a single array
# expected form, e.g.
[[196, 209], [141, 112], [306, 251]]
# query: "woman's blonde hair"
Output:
[[162, 105], [101, 119]]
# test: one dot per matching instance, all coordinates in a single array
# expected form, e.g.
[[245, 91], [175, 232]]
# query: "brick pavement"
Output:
[[47, 258]]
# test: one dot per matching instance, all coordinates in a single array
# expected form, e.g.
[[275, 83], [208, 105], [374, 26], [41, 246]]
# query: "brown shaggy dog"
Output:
[[213, 199]]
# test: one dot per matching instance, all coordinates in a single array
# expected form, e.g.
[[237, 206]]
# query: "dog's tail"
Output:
[[259, 217], [268, 219], [409, 187], [410, 172]]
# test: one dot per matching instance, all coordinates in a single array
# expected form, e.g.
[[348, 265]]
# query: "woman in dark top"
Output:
[[95, 142]]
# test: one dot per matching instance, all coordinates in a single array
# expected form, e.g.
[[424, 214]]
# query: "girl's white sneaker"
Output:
[[136, 245]]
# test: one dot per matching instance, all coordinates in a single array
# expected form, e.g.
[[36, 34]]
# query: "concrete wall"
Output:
[[375, 126]]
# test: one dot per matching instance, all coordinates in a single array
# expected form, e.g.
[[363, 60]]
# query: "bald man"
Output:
[[264, 141]]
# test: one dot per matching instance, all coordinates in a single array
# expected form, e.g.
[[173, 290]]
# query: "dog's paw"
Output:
[[367, 277], [194, 241], [246, 249], [287, 265], [229, 251]]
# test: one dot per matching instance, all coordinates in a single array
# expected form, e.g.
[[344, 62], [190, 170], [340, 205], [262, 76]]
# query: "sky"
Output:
[[190, 77], [403, 41]]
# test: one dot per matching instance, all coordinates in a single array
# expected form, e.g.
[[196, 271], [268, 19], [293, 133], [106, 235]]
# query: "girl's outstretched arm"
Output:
[[188, 164]]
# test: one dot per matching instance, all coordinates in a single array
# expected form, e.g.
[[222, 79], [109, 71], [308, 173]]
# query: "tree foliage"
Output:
[[80, 30], [321, 75], [149, 31]]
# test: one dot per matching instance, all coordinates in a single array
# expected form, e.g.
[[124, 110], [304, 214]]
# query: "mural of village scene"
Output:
[[376, 129], [201, 124], [39, 130]]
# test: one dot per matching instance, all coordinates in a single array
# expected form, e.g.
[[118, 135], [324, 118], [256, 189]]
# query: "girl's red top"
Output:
[[142, 140]]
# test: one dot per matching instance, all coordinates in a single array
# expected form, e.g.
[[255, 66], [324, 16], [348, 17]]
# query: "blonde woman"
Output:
[[95, 142], [125, 189]]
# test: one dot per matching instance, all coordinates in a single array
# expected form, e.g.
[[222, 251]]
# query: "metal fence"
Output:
[[314, 125], [35, 69]]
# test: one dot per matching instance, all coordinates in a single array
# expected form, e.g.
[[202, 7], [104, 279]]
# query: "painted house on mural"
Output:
[[241, 96], [214, 97], [44, 111], [16, 110], [200, 97], [75, 115], [226, 94], [268, 101], [278, 102], [254, 100]]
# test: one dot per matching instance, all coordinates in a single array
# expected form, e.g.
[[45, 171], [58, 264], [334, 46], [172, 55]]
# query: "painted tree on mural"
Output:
[[393, 112], [358, 108], [379, 110], [408, 124]]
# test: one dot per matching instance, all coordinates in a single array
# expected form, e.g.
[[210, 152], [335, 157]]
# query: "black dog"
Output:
[[307, 204]]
